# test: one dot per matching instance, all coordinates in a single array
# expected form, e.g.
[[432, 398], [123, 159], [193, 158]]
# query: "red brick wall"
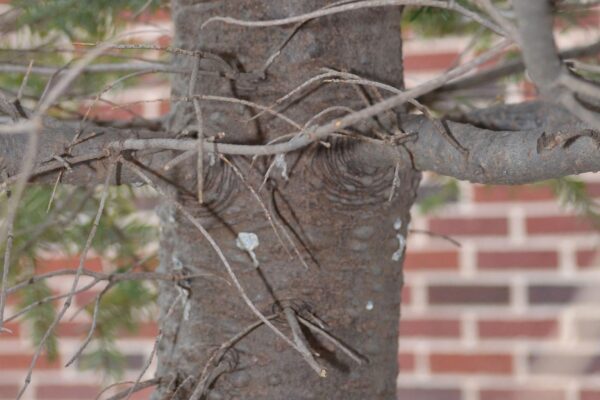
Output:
[[512, 313]]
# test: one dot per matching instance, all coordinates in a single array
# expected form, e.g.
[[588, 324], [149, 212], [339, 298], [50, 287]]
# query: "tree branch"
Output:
[[555, 82], [514, 154], [94, 68], [510, 67], [87, 159]]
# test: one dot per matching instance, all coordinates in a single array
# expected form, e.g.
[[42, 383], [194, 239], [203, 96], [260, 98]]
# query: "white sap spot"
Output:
[[186, 310], [282, 165], [369, 305], [177, 264], [401, 244], [185, 303], [248, 241], [212, 159], [397, 224]]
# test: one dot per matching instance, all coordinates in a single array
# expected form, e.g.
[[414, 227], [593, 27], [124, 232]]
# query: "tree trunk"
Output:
[[334, 207]]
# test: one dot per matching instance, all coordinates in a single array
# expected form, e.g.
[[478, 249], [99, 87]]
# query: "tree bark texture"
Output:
[[334, 206]]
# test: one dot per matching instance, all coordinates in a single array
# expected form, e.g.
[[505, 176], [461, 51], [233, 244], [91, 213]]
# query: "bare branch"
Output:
[[74, 285], [5, 271], [358, 5], [154, 350], [511, 67], [300, 340], [94, 68], [321, 331], [510, 154], [200, 128], [543, 64], [140, 386], [217, 356]]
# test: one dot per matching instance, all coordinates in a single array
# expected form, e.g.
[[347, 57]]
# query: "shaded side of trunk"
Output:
[[334, 207]]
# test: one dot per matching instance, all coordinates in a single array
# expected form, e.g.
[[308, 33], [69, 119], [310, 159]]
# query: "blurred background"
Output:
[[502, 284]]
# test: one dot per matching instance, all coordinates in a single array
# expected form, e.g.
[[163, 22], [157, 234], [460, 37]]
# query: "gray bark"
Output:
[[335, 206]]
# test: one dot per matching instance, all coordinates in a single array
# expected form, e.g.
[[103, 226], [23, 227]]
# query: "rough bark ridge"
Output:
[[334, 206]]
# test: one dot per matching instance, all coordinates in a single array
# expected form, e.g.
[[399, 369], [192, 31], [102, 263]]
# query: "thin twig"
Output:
[[438, 235], [156, 344], [448, 5], [217, 356], [24, 82], [179, 159], [5, 270], [321, 131], [300, 340], [140, 386], [136, 384], [500, 19], [92, 326], [13, 205], [200, 130], [349, 352], [94, 68], [69, 299], [99, 277]]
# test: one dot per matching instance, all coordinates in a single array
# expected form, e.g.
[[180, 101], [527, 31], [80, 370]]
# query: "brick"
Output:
[[14, 331], [19, 361], [55, 264], [557, 225], [562, 294], [431, 61], [164, 40], [406, 362], [469, 226], [160, 15], [458, 363], [105, 112], [542, 294], [592, 189], [429, 327], [145, 329], [66, 392], [588, 394], [431, 260], [8, 391], [529, 90], [521, 394], [538, 260], [588, 329], [422, 393], [475, 295], [406, 295], [86, 298], [502, 193], [72, 329], [134, 361], [554, 363], [517, 328], [588, 258], [165, 107], [12, 299], [143, 394]]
